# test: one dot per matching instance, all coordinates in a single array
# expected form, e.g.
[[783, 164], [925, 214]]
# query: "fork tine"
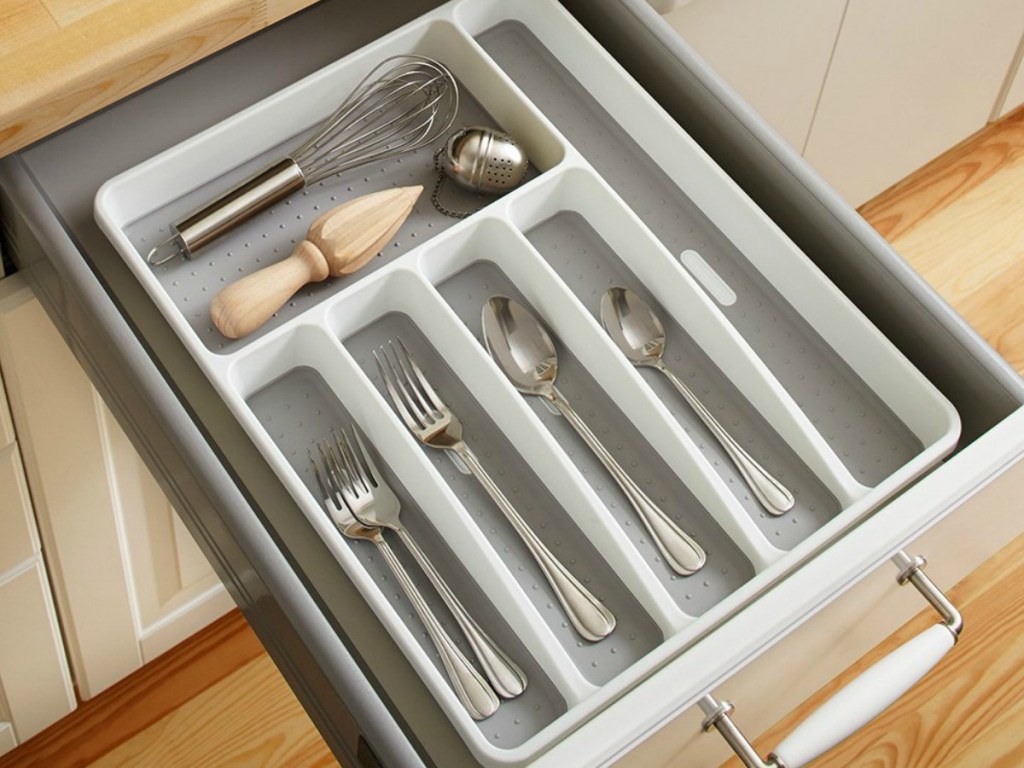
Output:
[[324, 493], [436, 401], [347, 461], [423, 392], [404, 384], [362, 458], [389, 379]]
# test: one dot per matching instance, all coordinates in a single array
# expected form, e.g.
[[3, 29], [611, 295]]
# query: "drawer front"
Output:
[[19, 540], [33, 669], [811, 656]]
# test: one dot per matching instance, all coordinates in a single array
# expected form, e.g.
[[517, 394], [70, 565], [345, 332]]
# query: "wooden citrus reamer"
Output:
[[340, 242]]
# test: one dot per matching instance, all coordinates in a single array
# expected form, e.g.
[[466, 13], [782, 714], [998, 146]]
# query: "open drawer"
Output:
[[901, 373]]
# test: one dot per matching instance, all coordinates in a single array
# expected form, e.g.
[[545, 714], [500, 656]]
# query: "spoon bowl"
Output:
[[520, 346]]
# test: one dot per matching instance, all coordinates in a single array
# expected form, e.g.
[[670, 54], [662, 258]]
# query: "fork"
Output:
[[374, 504], [471, 689], [434, 424]]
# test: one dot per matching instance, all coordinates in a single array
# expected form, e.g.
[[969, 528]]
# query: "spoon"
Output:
[[525, 352], [640, 336]]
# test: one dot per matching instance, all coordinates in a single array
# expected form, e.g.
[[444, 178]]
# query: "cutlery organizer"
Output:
[[620, 195]]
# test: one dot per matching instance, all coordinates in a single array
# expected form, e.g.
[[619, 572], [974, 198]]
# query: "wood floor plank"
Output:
[[273, 729], [143, 698]]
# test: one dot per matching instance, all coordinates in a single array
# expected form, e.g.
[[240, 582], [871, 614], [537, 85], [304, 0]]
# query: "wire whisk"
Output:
[[404, 103]]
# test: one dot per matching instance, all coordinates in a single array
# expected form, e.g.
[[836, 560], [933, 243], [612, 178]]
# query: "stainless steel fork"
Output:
[[472, 690], [435, 425], [374, 504]]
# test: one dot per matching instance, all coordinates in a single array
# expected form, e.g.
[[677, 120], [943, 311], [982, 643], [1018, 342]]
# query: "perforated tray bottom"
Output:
[[299, 411]]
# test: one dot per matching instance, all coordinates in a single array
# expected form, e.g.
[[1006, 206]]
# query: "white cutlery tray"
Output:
[[620, 195]]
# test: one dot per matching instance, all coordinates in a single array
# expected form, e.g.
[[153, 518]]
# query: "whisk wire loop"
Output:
[[410, 105]]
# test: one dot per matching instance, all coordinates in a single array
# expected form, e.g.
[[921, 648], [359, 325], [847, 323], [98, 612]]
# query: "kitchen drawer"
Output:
[[20, 540], [347, 670]]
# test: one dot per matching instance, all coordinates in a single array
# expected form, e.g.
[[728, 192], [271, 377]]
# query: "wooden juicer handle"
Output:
[[340, 242]]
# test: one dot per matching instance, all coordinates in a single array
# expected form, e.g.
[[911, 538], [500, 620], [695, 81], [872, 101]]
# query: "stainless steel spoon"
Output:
[[639, 334], [525, 352]]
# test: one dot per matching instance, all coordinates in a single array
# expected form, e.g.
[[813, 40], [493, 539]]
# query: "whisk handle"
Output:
[[239, 205], [244, 306]]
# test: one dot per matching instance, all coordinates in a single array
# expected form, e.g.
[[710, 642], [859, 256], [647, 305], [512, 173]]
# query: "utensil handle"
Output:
[[244, 306], [507, 679], [772, 494], [473, 691], [684, 555], [588, 614]]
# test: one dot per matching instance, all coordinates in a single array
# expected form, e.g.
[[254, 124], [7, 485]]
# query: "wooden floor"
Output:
[[217, 700]]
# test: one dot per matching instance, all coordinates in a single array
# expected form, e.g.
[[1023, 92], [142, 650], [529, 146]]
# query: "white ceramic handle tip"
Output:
[[866, 697]]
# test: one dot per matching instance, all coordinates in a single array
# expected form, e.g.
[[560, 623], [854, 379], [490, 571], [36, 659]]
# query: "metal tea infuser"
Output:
[[479, 159]]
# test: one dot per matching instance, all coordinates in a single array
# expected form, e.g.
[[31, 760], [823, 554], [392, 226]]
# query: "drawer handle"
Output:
[[862, 699]]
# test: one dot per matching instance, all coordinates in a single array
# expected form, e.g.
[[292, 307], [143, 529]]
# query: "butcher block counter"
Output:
[[65, 59]]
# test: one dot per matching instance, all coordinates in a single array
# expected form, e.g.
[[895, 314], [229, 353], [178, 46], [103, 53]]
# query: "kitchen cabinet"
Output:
[[35, 682], [128, 583], [776, 55], [866, 90], [907, 81], [352, 676]]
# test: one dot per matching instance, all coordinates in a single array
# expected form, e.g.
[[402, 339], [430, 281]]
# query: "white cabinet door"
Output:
[[126, 582], [775, 54], [908, 80], [35, 684]]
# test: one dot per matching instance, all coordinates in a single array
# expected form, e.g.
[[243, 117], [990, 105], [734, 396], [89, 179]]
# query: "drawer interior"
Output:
[[597, 200], [618, 196]]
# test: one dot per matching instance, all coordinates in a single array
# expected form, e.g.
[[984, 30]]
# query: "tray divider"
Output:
[[403, 454], [519, 424], [515, 255], [583, 191]]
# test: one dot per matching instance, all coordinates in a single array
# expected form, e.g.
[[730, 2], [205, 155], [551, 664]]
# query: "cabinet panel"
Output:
[[34, 674], [7, 740], [55, 412], [18, 540], [1015, 94], [123, 593], [908, 80], [6, 426], [774, 54]]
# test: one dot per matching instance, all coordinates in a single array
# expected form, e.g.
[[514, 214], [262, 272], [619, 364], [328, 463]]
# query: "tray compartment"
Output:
[[175, 184], [299, 410], [727, 568], [638, 162], [606, 185]]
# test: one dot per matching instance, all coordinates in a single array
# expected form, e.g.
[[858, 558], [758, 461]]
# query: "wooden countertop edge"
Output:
[[108, 54]]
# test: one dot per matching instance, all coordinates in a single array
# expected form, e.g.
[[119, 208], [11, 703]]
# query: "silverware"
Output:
[[640, 336], [526, 353], [339, 494], [402, 104], [374, 504], [435, 425]]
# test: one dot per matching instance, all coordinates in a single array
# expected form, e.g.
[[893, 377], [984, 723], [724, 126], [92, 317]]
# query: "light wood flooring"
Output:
[[218, 700]]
